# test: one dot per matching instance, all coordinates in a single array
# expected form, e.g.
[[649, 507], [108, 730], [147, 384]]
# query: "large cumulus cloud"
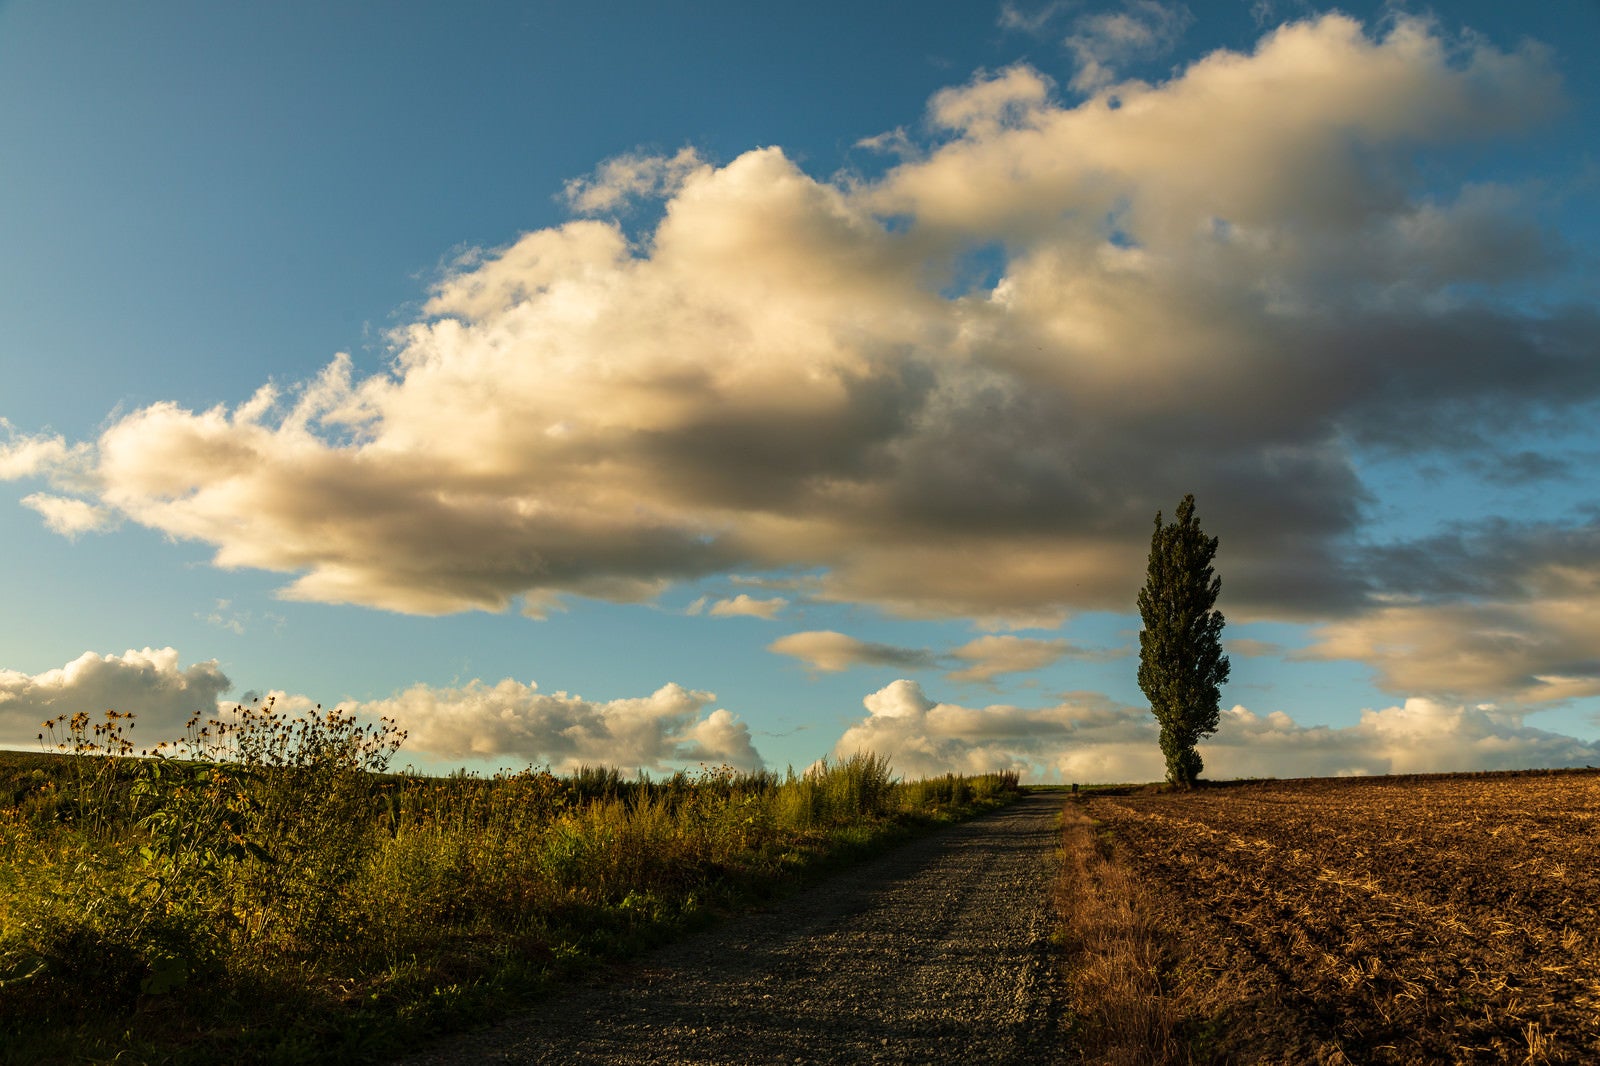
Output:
[[150, 683], [666, 730], [1084, 737], [960, 388], [1089, 739]]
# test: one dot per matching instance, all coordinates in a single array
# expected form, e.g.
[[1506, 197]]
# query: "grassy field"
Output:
[[262, 890], [1401, 919]]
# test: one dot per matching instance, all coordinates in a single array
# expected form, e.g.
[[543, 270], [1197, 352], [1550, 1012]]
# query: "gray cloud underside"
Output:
[[1493, 559], [1497, 610], [1230, 283]]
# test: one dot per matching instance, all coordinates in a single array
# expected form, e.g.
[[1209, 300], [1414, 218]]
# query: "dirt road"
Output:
[[936, 952]]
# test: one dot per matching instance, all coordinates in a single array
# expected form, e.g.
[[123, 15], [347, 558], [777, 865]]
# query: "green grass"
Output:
[[261, 890]]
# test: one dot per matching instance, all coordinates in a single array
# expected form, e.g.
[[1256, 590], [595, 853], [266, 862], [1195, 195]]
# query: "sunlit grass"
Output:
[[262, 889]]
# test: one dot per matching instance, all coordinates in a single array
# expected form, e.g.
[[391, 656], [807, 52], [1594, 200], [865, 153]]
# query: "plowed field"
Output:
[[1420, 919]]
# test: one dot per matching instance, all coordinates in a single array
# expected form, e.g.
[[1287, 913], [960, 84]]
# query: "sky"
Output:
[[620, 384]]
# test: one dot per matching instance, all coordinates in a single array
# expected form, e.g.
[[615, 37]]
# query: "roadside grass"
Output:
[[1137, 996], [263, 890], [1116, 955]]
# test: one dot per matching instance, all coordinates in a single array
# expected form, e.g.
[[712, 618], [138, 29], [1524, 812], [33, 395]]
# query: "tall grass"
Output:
[[266, 888]]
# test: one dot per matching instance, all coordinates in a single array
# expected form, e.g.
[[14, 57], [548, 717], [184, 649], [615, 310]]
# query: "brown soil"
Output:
[[1404, 920]]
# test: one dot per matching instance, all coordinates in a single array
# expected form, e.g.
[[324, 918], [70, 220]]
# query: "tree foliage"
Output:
[[1181, 665]]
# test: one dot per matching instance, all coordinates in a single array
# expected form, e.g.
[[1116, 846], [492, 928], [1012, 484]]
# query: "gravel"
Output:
[[938, 951]]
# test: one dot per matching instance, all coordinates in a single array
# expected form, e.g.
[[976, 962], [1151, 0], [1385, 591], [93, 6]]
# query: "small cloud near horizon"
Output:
[[746, 606], [990, 656], [831, 652]]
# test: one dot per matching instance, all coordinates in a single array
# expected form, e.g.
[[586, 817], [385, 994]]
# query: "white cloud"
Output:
[[148, 683], [1034, 21], [224, 616], [629, 177], [986, 657], [747, 606], [1083, 738], [808, 376], [664, 731], [1417, 736], [832, 652], [1541, 651], [24, 456], [1266, 12], [67, 516], [991, 656], [1089, 739], [987, 105], [895, 142], [1142, 29]]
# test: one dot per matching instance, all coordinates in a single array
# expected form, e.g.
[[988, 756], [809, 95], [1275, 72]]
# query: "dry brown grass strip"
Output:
[[1117, 955]]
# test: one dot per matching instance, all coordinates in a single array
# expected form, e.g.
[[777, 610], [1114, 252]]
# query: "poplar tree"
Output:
[[1181, 665]]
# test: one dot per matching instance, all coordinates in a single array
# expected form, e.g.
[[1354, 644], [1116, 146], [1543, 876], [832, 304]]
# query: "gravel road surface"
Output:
[[938, 951]]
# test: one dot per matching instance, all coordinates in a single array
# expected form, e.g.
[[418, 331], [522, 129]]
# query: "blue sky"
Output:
[[627, 385]]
